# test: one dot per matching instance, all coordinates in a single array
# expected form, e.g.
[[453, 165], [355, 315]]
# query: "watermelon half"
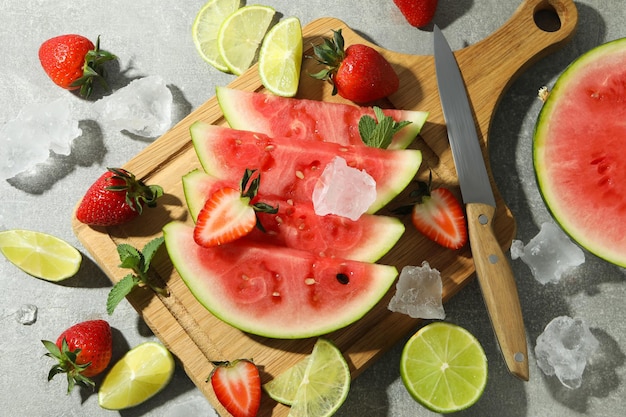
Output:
[[276, 292], [291, 168], [308, 119], [297, 226], [579, 151]]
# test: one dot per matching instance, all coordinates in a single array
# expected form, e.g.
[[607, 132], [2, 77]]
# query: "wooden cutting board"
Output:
[[194, 335]]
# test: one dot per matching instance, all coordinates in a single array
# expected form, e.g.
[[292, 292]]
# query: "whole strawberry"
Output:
[[83, 351], [73, 62], [418, 13], [116, 198], [358, 73]]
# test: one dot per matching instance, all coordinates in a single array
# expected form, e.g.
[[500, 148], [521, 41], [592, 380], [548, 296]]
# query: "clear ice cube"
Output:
[[143, 107], [343, 190], [27, 314], [38, 129], [418, 293], [564, 348], [550, 254]]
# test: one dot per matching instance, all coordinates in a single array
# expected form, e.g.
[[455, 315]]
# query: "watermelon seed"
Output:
[[276, 294], [300, 174], [343, 279], [309, 281], [269, 148]]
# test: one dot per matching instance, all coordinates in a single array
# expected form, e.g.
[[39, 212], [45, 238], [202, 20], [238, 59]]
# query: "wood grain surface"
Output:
[[193, 334]]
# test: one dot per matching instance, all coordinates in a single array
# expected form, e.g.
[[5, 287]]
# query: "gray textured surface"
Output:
[[153, 38]]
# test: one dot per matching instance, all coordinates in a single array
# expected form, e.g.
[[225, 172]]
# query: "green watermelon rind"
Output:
[[406, 164], [384, 232], [195, 278], [562, 214], [230, 102]]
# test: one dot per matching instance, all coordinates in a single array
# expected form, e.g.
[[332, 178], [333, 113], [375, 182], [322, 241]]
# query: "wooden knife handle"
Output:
[[498, 287]]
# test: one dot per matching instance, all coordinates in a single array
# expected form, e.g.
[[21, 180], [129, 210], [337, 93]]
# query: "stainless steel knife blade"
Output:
[[492, 267]]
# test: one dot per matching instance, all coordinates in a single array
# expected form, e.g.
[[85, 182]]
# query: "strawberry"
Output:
[[83, 351], [358, 73], [237, 386], [438, 215], [418, 13], [115, 198], [228, 215], [73, 62]]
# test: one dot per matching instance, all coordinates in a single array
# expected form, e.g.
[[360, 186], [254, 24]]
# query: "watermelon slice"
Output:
[[276, 292], [579, 151], [297, 226], [308, 119], [291, 168]]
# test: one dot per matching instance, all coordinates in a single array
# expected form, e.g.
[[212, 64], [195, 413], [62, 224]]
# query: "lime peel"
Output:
[[444, 367], [280, 58], [241, 35], [316, 386], [139, 375], [39, 254], [205, 29]]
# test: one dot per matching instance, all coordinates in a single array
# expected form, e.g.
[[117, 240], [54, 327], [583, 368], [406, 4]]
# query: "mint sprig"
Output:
[[378, 133], [139, 263]]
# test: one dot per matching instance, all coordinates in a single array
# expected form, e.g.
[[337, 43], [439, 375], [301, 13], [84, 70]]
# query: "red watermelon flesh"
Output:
[[276, 292], [297, 226], [580, 151], [308, 119], [291, 168]]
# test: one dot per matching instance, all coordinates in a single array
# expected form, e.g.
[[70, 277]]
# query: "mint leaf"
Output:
[[120, 290], [150, 250], [378, 133], [139, 263]]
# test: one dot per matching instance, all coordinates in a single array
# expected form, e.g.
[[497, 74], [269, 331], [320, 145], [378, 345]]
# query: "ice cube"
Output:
[[343, 190], [550, 254], [143, 107], [38, 129], [418, 293], [27, 314], [564, 348]]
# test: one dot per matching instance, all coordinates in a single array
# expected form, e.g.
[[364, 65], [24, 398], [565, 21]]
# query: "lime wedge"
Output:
[[241, 34], [39, 254], [324, 384], [206, 26], [444, 367], [139, 375], [283, 388], [280, 58]]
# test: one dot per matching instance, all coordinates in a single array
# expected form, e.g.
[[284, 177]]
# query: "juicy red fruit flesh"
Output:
[[237, 386]]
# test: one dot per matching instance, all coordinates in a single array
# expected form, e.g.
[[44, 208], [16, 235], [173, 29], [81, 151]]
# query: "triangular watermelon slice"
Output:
[[291, 168], [276, 292], [308, 119], [297, 226]]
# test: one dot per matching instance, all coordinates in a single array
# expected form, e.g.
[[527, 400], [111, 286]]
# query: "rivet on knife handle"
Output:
[[500, 292]]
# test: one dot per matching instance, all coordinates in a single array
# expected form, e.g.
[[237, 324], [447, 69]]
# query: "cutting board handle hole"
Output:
[[547, 20]]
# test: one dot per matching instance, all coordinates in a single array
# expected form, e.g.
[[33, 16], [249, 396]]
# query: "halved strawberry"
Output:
[[438, 215], [228, 215], [237, 386]]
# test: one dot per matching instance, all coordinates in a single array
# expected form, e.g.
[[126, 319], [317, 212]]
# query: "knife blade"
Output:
[[493, 270]]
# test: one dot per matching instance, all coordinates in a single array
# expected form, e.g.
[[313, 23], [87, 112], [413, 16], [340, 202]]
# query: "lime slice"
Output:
[[206, 26], [325, 382], [39, 254], [280, 58], [140, 374], [283, 388], [444, 367], [241, 34]]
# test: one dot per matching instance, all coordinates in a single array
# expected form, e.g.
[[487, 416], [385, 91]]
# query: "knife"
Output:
[[492, 267]]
